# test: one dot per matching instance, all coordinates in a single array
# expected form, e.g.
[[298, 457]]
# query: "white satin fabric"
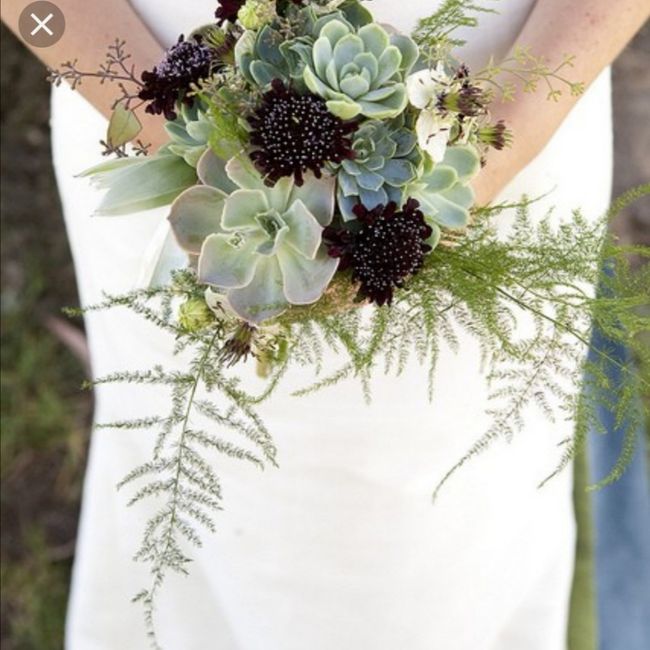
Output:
[[340, 548]]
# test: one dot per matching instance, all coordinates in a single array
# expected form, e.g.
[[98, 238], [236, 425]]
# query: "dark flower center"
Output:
[[388, 248], [294, 133]]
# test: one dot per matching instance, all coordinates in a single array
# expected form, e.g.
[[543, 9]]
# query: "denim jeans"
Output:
[[621, 515]]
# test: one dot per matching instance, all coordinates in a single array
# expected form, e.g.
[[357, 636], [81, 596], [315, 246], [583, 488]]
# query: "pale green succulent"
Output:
[[443, 189], [359, 71], [385, 160], [190, 133], [260, 245], [261, 56], [267, 54]]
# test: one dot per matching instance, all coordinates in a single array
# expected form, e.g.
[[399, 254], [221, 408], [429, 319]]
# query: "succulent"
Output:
[[385, 160], [358, 71], [261, 246], [267, 54], [189, 133], [443, 190], [261, 56], [138, 183]]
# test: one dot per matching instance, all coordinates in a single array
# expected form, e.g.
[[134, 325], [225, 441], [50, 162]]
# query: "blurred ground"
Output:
[[45, 417]]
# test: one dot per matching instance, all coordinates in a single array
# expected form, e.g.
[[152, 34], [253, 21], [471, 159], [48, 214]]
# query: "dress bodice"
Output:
[[494, 36]]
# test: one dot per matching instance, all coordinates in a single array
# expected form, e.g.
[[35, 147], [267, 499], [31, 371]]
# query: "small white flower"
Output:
[[423, 87], [433, 134], [433, 130], [218, 304]]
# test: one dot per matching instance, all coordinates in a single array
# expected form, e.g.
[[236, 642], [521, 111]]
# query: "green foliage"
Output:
[[529, 70], [135, 184], [436, 37], [124, 126], [228, 103], [180, 472], [435, 34], [44, 432], [540, 276]]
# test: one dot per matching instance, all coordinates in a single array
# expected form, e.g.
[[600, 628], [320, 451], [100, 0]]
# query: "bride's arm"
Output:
[[595, 31], [90, 27]]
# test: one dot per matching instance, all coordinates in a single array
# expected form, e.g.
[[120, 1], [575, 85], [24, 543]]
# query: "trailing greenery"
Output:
[[435, 34], [526, 299]]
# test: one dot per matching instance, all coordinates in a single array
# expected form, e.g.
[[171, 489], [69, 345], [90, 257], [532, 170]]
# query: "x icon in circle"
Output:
[[42, 24]]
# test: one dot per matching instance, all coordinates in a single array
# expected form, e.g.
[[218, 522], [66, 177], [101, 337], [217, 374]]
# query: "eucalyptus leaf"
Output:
[[123, 126]]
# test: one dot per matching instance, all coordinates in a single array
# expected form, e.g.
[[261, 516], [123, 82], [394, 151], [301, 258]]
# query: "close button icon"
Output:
[[41, 24]]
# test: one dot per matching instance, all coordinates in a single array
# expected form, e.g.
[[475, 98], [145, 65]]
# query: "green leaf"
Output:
[[123, 126], [101, 174], [195, 215], [465, 160], [305, 280], [356, 13], [154, 182], [263, 297]]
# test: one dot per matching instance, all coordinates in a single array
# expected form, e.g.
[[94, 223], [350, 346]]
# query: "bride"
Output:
[[340, 548]]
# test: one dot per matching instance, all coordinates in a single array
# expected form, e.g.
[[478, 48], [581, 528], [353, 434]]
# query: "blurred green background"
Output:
[[45, 416]]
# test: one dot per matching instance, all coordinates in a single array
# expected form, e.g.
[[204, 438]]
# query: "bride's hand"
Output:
[[595, 31]]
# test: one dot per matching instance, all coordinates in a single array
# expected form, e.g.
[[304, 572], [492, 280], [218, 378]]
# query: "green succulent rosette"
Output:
[[386, 160], [189, 133], [443, 189], [260, 56], [267, 54], [259, 245], [359, 71]]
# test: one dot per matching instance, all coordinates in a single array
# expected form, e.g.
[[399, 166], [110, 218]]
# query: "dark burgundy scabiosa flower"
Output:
[[228, 10], [388, 248], [184, 64], [293, 133]]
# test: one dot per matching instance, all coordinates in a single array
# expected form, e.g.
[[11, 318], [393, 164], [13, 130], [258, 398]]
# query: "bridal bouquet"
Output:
[[318, 161]]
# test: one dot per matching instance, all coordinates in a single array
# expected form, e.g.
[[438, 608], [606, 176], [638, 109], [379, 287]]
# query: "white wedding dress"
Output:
[[340, 548]]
